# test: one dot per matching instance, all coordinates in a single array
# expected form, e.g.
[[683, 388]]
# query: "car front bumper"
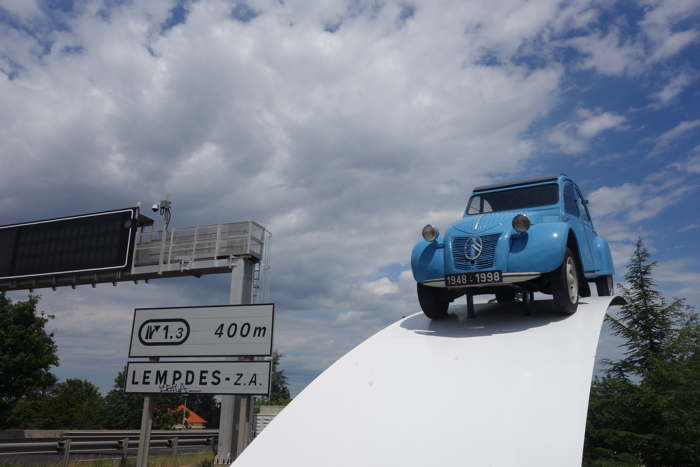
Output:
[[508, 278]]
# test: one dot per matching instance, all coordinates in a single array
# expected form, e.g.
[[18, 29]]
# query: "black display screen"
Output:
[[73, 244]]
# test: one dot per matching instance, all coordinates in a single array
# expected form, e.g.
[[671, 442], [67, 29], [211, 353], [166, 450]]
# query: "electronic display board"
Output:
[[89, 242]]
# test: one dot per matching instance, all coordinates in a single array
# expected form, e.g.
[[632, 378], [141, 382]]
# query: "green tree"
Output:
[[646, 322], [123, 411], [27, 352], [207, 407], [74, 404], [646, 410], [279, 391]]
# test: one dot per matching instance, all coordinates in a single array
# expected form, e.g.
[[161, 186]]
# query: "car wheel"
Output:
[[565, 284], [605, 286], [505, 296], [433, 302]]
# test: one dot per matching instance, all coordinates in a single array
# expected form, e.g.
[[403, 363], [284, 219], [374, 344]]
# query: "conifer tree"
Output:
[[646, 321]]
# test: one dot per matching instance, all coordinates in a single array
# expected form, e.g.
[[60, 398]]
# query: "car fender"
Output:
[[604, 257], [540, 249], [427, 260]]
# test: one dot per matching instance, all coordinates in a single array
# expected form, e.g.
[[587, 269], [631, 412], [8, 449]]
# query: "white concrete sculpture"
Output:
[[504, 389]]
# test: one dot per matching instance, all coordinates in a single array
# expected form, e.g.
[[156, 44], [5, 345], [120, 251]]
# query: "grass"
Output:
[[196, 459]]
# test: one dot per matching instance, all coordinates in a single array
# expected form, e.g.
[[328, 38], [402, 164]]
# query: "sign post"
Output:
[[230, 434], [236, 332], [145, 433]]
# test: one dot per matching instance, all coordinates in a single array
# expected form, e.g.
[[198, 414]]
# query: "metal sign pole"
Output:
[[240, 293], [146, 423]]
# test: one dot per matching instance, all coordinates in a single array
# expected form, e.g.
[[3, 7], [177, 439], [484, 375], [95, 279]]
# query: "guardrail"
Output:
[[121, 443]]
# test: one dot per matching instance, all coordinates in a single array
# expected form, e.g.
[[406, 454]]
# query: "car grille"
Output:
[[484, 261]]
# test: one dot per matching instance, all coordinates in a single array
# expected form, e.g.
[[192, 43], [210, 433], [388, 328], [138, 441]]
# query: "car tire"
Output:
[[565, 284], [433, 302], [605, 286], [505, 296]]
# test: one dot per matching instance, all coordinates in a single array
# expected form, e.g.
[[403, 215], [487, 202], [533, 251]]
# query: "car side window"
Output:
[[581, 206], [570, 206], [474, 205], [478, 205]]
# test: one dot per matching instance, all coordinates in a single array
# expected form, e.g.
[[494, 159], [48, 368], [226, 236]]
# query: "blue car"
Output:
[[515, 239]]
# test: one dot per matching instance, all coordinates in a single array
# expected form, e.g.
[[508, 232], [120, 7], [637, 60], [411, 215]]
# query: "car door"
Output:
[[573, 215], [589, 231]]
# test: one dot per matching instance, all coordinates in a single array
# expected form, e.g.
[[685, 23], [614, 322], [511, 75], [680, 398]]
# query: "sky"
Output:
[[343, 127]]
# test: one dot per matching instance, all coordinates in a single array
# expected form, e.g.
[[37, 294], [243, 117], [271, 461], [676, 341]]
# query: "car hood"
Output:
[[484, 223]]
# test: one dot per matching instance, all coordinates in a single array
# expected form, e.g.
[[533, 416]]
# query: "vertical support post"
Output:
[[125, 450], [244, 419], [145, 433], [162, 251], [229, 446], [66, 452], [470, 306], [173, 443]]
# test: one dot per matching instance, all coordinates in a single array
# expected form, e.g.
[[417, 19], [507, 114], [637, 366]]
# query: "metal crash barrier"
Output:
[[101, 443]]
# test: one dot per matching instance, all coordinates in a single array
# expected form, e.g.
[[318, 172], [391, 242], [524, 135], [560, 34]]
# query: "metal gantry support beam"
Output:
[[233, 438]]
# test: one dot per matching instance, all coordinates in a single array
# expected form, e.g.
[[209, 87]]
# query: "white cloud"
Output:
[[679, 131], [618, 210], [690, 165], [672, 89], [382, 286], [660, 26], [637, 202], [574, 137], [594, 123], [680, 273], [660, 37], [612, 53], [23, 9], [689, 227]]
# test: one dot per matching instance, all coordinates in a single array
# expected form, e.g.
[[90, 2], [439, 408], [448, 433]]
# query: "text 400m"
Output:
[[240, 330]]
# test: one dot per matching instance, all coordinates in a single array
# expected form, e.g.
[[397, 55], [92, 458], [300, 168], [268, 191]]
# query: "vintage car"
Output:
[[515, 239]]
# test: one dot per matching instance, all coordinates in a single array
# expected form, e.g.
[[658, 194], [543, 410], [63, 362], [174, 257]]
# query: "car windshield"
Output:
[[517, 198]]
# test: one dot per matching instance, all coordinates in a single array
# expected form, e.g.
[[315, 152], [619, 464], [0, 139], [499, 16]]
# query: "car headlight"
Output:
[[521, 223], [430, 233]]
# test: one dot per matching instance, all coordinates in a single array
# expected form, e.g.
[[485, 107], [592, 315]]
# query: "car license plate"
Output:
[[473, 278]]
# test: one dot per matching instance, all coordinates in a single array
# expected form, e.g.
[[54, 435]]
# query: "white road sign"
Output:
[[196, 377], [211, 331]]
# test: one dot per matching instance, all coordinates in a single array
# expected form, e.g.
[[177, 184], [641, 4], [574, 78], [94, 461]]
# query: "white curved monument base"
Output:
[[504, 389]]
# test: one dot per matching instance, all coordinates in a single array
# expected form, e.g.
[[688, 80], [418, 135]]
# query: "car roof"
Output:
[[527, 181]]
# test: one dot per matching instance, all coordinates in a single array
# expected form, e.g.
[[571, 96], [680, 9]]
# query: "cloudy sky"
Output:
[[343, 127]]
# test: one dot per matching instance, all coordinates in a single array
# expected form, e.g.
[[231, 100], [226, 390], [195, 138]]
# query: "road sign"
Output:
[[197, 377], [211, 331], [90, 242]]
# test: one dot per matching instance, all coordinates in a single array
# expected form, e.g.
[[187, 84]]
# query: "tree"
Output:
[[279, 392], [207, 407], [123, 411], [74, 404], [27, 352], [646, 321], [646, 410]]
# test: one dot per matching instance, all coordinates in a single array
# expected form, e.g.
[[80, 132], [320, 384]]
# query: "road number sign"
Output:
[[227, 330], [197, 377]]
